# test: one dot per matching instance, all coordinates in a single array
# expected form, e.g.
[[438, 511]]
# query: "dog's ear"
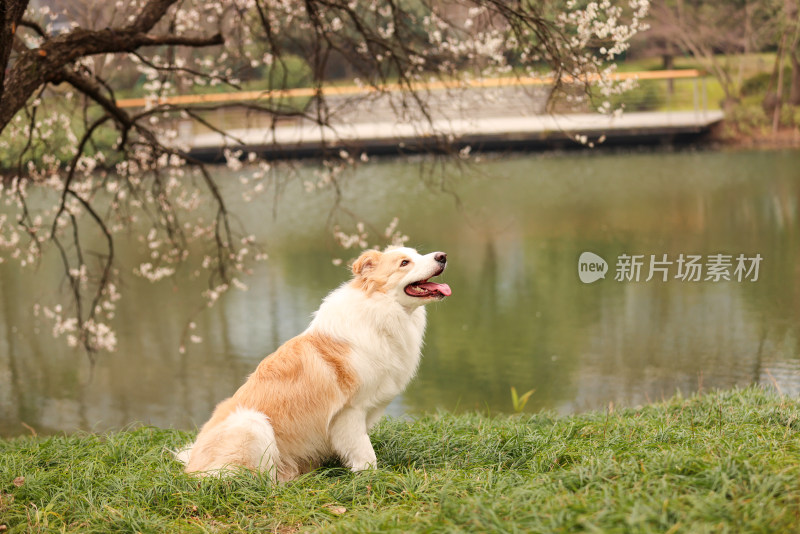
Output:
[[366, 262]]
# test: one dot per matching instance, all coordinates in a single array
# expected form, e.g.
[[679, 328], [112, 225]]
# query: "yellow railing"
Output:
[[423, 86]]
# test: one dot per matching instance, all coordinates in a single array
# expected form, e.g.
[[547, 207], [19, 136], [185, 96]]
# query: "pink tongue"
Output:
[[444, 289]]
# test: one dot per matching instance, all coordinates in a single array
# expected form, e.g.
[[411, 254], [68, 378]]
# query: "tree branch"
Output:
[[92, 89], [34, 26], [178, 40], [34, 68]]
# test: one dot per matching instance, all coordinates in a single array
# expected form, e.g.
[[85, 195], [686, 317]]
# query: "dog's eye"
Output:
[[404, 263]]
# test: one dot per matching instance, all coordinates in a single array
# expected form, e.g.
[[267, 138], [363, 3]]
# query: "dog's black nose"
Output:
[[441, 257]]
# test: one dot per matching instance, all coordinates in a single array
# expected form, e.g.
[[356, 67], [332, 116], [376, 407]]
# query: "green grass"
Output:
[[724, 462], [750, 63], [741, 66]]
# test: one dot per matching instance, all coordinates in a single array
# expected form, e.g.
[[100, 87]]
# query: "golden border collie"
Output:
[[318, 395]]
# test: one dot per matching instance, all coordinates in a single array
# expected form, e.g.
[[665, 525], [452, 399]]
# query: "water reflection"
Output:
[[513, 229]]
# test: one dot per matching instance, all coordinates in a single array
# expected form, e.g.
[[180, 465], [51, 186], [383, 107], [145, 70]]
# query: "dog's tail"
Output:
[[244, 439]]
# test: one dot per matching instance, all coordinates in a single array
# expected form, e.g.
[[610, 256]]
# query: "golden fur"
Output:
[[298, 387], [378, 271]]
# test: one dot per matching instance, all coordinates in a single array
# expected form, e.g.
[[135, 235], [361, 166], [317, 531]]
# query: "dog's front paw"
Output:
[[364, 466], [363, 462]]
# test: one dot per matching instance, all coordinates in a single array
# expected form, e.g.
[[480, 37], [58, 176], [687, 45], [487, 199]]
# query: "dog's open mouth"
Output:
[[423, 288]]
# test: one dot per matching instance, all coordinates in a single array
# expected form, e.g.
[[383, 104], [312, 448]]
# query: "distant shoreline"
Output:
[[786, 138]]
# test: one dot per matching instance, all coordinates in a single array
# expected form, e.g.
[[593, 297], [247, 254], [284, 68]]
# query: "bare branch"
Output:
[[91, 88], [34, 26]]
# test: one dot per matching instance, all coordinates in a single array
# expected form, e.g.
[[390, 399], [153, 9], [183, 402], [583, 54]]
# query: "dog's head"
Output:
[[402, 273]]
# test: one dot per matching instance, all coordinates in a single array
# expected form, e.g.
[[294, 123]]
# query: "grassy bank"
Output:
[[722, 462]]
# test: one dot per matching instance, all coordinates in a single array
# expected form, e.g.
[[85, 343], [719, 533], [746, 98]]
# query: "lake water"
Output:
[[514, 228]]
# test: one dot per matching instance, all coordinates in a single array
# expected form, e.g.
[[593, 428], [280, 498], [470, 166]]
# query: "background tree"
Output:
[[80, 169], [787, 36], [711, 32], [717, 33]]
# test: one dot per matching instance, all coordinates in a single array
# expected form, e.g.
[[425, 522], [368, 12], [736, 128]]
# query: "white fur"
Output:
[[245, 438]]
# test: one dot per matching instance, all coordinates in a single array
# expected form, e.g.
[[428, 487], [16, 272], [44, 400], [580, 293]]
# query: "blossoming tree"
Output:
[[81, 171]]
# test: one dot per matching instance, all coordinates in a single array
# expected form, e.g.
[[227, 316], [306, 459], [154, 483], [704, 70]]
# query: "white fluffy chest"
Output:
[[386, 363], [385, 338]]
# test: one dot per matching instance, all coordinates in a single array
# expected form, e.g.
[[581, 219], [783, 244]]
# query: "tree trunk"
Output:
[[794, 94], [11, 12], [769, 102], [669, 64], [776, 114]]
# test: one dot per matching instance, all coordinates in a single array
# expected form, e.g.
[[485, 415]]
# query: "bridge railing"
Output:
[[644, 77], [657, 91], [682, 90]]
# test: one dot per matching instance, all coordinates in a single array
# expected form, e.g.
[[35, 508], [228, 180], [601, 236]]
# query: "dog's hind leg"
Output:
[[183, 455], [243, 439]]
